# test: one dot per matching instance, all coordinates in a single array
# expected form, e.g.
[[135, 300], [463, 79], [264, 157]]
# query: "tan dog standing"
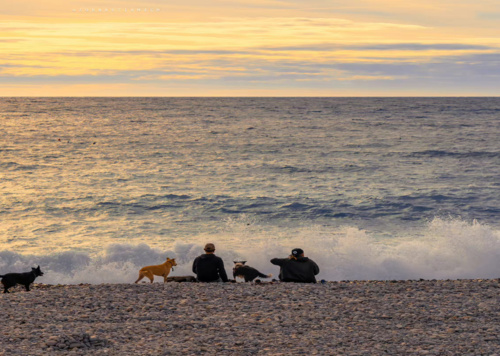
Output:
[[157, 270]]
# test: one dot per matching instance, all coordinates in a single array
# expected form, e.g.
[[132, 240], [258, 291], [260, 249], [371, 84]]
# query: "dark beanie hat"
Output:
[[296, 252]]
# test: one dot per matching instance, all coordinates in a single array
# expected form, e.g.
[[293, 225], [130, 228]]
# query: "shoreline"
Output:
[[421, 317]]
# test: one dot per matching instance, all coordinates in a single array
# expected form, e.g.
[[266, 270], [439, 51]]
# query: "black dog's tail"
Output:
[[262, 275]]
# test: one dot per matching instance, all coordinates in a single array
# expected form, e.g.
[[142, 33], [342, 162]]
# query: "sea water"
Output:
[[92, 189]]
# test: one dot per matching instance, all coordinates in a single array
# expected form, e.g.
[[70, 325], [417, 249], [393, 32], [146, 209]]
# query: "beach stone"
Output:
[[363, 318]]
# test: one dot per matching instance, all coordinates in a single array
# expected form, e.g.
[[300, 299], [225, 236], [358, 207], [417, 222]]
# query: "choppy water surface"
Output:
[[370, 188]]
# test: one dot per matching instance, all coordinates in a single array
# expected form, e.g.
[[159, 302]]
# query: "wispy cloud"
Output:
[[322, 47], [285, 45]]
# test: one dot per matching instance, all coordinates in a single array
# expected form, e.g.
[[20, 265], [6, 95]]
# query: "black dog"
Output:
[[11, 279], [247, 272]]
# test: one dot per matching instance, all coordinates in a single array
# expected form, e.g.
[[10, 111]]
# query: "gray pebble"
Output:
[[348, 318]]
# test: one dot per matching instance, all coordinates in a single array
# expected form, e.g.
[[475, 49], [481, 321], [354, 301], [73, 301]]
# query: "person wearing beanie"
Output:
[[297, 268], [208, 267]]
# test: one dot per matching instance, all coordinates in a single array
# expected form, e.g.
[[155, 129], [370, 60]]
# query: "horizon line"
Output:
[[254, 96]]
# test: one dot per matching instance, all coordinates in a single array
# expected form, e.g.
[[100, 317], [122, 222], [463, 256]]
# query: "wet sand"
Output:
[[454, 317]]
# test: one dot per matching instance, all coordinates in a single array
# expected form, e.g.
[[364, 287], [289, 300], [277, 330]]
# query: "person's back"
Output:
[[209, 267], [297, 268]]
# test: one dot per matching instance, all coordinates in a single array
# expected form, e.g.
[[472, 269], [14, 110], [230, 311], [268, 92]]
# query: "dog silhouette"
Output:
[[11, 279]]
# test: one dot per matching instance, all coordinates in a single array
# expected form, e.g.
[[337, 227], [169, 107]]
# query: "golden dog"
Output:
[[157, 270]]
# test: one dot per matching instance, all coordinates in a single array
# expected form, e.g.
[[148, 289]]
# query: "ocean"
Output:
[[92, 189]]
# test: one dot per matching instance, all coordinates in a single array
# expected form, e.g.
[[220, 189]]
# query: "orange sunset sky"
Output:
[[250, 48]]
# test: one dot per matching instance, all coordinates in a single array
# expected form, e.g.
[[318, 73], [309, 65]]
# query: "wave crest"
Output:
[[445, 249]]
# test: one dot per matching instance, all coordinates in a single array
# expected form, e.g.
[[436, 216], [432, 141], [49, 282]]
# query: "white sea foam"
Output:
[[339, 177], [445, 249]]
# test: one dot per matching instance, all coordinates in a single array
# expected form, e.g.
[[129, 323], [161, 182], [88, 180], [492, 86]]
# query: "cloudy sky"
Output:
[[250, 48]]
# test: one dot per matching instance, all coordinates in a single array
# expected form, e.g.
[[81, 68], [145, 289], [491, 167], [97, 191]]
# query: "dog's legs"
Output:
[[150, 276], [27, 286], [141, 276]]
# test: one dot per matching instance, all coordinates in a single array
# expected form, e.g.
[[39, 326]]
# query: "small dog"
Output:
[[246, 272], [11, 279], [157, 270]]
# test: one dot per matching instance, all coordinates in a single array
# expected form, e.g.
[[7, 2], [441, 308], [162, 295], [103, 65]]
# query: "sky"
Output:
[[250, 48]]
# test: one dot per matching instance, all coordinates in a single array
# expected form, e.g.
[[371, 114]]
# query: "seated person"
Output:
[[208, 267], [297, 268]]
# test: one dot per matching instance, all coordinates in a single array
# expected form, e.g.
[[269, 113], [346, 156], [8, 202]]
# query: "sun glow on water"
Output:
[[370, 188]]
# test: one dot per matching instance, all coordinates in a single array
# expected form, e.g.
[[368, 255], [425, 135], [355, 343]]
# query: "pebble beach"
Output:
[[425, 317]]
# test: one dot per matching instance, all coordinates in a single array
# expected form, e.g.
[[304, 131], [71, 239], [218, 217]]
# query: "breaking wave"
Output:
[[444, 249]]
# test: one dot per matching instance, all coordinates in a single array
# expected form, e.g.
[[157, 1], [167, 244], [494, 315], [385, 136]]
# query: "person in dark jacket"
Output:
[[208, 267], [297, 268]]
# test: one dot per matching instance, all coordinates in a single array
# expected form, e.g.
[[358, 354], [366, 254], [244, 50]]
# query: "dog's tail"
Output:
[[262, 275]]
